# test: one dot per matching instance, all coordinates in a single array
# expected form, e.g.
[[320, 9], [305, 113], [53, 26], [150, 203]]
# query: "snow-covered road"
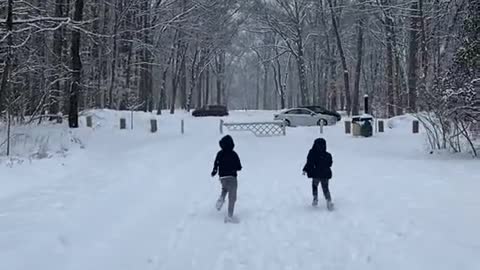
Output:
[[133, 200]]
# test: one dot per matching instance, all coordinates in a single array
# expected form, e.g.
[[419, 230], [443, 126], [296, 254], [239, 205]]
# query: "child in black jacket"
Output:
[[227, 164], [318, 167]]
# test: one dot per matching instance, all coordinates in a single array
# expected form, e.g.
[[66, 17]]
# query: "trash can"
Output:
[[362, 125]]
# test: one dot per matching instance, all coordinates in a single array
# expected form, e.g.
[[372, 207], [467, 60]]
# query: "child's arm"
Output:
[[239, 164], [308, 165], [329, 160], [215, 165]]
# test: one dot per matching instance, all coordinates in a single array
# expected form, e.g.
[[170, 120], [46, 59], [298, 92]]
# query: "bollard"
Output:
[[123, 123], [89, 121], [348, 127], [221, 126], [153, 125], [284, 129], [321, 127], [415, 126], [182, 127], [59, 118], [381, 126]]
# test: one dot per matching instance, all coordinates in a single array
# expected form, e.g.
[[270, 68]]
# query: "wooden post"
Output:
[[153, 125], [9, 123], [131, 119], [284, 129], [221, 126], [348, 127], [182, 126], [123, 123], [381, 126], [321, 127], [415, 126], [89, 121]]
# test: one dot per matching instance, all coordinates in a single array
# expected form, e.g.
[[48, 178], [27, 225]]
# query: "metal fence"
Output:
[[259, 129]]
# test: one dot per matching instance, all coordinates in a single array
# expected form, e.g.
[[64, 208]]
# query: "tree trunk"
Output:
[[180, 59], [292, 90], [302, 73], [6, 70], [333, 82], [358, 68], [114, 56], [280, 88], [313, 68], [207, 85], [220, 71], [346, 76], [76, 67], [257, 95], [103, 63], [423, 47], [146, 69], [162, 101], [328, 58], [390, 97], [98, 57], [199, 90], [183, 85], [265, 86], [397, 76], [193, 78], [277, 86], [57, 51], [389, 24]]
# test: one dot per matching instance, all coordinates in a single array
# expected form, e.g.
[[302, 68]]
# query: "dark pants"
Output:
[[229, 186], [326, 191]]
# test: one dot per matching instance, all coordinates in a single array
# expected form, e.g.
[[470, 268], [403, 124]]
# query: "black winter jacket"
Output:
[[319, 161], [227, 162]]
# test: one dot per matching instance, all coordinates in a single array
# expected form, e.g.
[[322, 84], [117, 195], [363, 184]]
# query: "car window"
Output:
[[291, 112], [216, 107], [318, 110], [303, 111]]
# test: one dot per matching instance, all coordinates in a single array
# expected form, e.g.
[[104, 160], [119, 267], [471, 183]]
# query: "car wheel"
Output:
[[287, 122], [322, 122]]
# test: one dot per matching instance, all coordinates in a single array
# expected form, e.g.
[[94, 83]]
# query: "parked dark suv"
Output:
[[211, 110], [320, 109]]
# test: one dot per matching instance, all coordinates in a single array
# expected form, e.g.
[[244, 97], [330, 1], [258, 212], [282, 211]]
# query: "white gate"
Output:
[[260, 129]]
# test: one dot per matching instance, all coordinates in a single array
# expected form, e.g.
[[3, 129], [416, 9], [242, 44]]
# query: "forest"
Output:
[[409, 56]]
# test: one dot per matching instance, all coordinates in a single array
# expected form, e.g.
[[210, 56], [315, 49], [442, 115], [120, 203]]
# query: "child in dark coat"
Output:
[[318, 167], [227, 164]]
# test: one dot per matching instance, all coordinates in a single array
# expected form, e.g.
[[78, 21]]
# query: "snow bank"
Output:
[[38, 141], [401, 121]]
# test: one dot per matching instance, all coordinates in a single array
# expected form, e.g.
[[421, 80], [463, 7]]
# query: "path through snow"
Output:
[[133, 200]]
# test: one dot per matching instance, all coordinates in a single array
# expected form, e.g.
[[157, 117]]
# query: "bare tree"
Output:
[[76, 68], [346, 74]]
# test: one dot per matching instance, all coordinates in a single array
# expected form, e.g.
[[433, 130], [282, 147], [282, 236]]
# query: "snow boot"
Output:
[[219, 204], [231, 219], [315, 201], [330, 205]]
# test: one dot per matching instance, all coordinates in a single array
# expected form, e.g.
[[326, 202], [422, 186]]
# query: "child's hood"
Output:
[[320, 145], [226, 143]]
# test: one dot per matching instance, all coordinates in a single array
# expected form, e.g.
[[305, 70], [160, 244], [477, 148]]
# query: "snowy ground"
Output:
[[135, 200]]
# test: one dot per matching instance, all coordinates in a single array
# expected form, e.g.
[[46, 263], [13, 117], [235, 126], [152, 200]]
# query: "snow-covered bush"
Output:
[[37, 141], [453, 102]]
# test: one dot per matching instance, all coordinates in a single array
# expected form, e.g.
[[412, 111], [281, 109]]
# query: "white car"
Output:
[[305, 117]]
